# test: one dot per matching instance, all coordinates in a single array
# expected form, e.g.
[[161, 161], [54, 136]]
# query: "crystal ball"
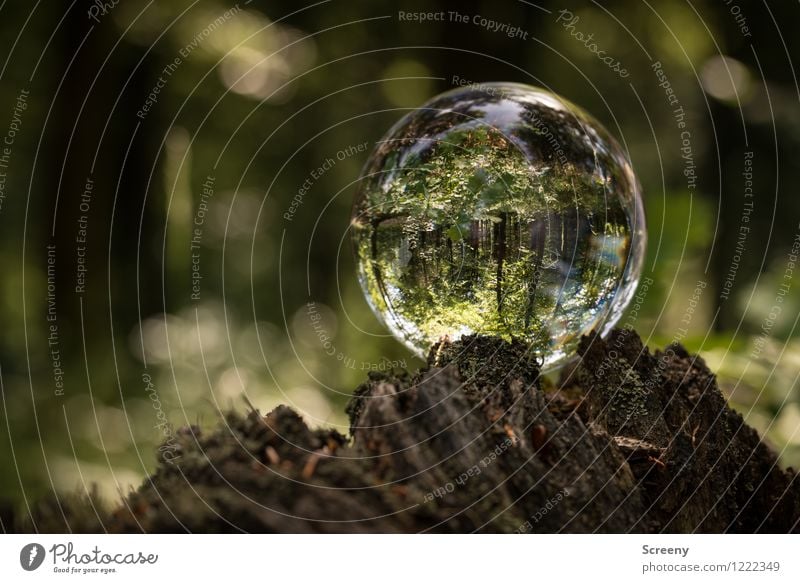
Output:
[[498, 209]]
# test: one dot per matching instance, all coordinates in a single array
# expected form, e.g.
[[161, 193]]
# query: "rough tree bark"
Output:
[[628, 442]]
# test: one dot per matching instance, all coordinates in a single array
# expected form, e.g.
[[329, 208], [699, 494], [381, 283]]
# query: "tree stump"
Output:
[[628, 441]]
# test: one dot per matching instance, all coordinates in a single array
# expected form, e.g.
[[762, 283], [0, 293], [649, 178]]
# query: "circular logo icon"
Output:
[[31, 556]]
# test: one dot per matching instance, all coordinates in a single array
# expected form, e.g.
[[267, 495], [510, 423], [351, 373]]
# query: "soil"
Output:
[[478, 441]]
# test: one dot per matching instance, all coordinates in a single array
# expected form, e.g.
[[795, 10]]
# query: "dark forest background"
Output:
[[261, 95]]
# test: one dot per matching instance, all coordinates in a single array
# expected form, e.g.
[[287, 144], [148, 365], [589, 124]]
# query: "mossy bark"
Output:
[[628, 441]]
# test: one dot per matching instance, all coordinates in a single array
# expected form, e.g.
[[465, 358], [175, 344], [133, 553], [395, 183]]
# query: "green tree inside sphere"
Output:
[[501, 210]]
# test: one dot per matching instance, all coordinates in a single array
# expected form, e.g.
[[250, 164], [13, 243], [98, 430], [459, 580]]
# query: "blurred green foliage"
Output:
[[252, 101]]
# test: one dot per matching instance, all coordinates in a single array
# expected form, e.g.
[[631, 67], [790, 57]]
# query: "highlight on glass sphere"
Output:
[[498, 209]]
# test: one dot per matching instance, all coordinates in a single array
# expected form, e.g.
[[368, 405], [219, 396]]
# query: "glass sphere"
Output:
[[498, 209]]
